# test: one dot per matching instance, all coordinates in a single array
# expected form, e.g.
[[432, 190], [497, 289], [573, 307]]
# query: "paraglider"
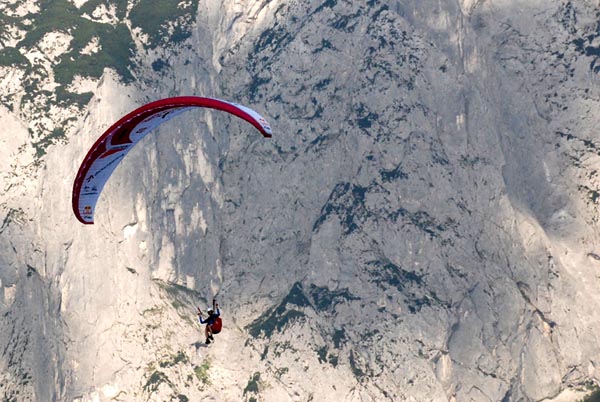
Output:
[[110, 149], [213, 322]]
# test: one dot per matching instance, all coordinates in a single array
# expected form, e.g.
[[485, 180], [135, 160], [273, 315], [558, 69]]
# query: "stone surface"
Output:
[[421, 227]]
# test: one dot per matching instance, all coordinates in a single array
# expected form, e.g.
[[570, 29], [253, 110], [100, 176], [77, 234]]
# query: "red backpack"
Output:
[[217, 325]]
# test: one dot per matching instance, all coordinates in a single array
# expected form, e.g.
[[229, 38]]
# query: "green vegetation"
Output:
[[180, 357], [121, 6], [317, 298], [281, 371], [54, 15], [202, 372], [155, 380], [65, 98], [273, 322], [164, 21], [322, 353], [339, 336], [114, 51], [333, 360], [265, 352], [325, 299], [55, 135], [279, 348], [177, 304], [156, 310], [387, 272], [348, 202], [275, 319], [115, 44], [326, 357], [9, 56], [594, 396], [356, 370], [253, 384]]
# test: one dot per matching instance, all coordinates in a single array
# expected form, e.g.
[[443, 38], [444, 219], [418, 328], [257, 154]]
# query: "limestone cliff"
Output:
[[421, 227]]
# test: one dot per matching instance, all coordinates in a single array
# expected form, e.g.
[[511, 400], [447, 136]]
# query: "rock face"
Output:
[[421, 227]]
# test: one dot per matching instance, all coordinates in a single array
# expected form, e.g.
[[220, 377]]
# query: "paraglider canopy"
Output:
[[108, 151]]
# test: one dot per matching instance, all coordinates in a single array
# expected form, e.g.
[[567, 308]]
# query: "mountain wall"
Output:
[[421, 226]]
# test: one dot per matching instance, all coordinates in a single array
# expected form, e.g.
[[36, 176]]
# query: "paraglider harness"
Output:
[[213, 321]]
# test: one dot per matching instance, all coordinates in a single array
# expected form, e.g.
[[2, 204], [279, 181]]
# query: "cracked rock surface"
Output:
[[421, 227]]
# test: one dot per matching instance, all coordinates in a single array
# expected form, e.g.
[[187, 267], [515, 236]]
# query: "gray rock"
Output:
[[421, 227]]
